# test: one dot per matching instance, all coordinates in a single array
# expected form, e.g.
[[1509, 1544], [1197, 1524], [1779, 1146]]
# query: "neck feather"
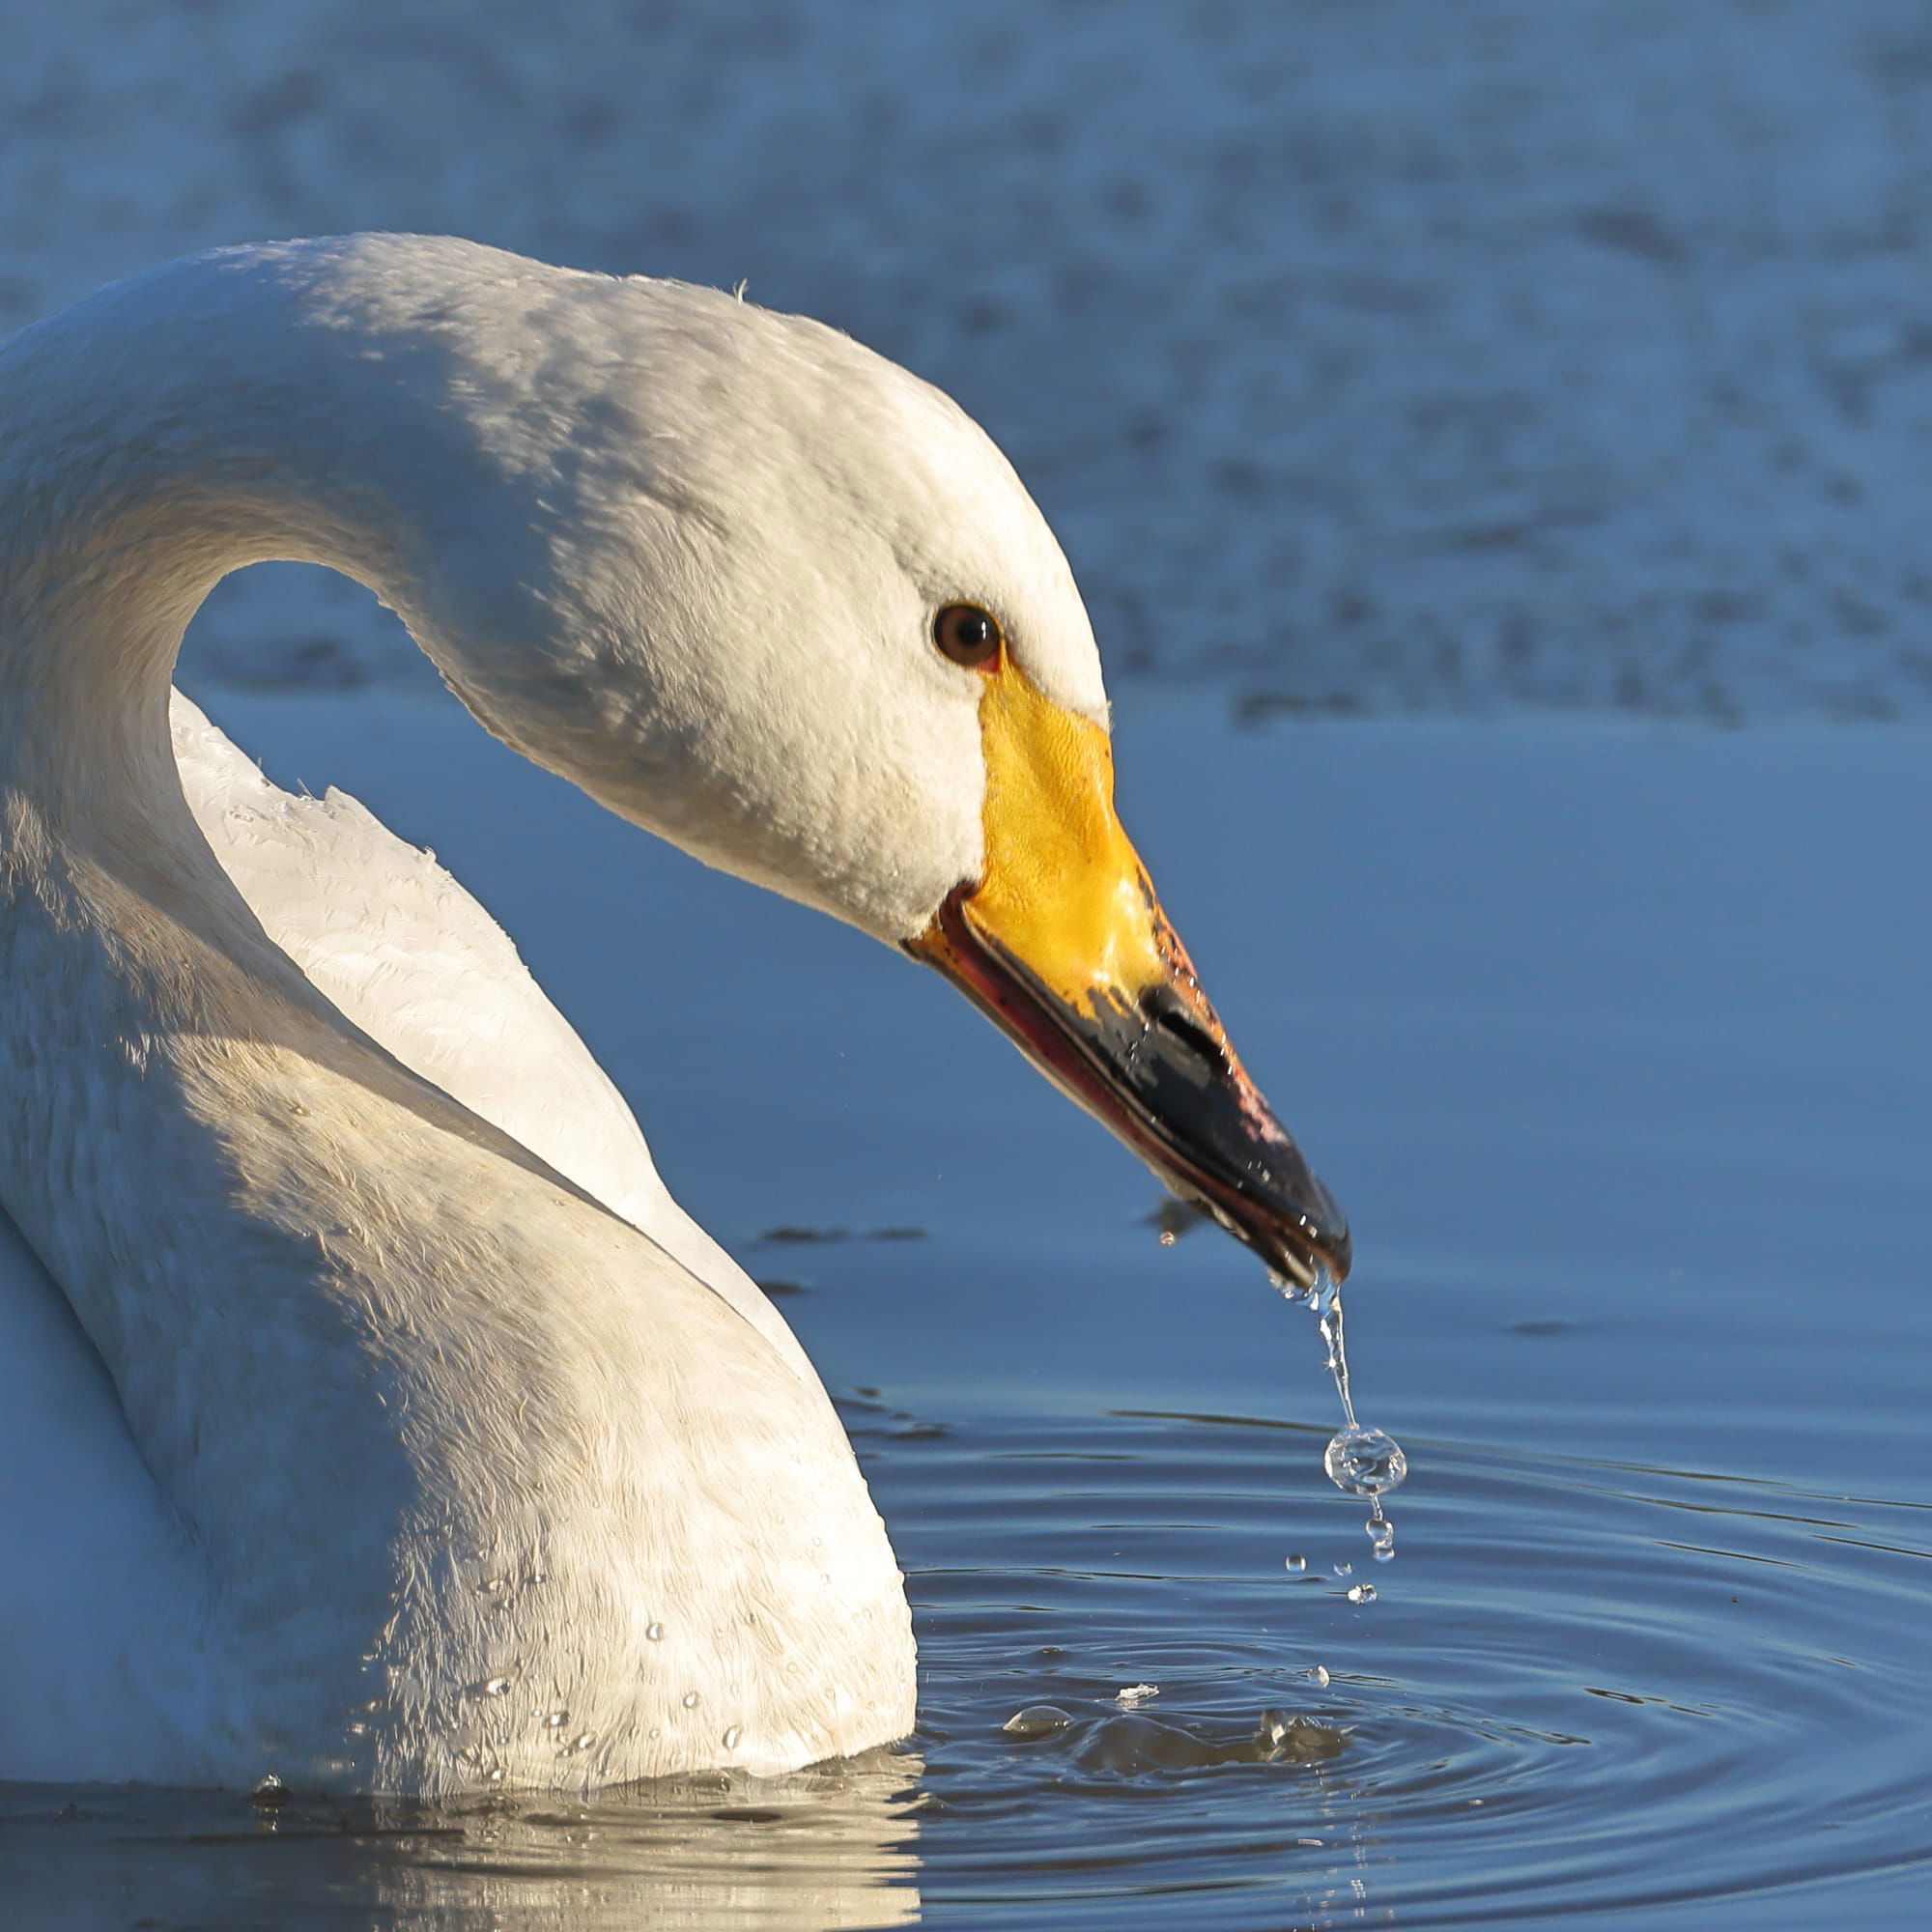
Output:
[[152, 438], [192, 1126]]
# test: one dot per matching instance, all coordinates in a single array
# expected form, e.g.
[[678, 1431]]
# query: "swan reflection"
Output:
[[832, 1845]]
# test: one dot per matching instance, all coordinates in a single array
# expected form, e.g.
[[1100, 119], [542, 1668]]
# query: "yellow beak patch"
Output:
[[1063, 944], [1064, 891]]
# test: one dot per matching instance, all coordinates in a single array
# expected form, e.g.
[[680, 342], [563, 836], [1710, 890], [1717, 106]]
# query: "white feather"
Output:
[[365, 1401]]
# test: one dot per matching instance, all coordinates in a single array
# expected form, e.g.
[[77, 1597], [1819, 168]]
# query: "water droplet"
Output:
[[1295, 1292], [1295, 1565], [1342, 1569], [691, 1700], [1037, 1720], [655, 1631], [584, 1740], [1362, 1593], [358, 1729], [556, 1721], [494, 1773], [269, 1795], [1319, 1676], [1167, 1238], [1365, 1462], [1381, 1538], [1131, 1694], [497, 1687], [731, 1736], [655, 1732]]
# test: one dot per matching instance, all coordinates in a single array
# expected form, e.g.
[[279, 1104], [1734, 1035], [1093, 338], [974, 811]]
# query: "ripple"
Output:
[[1587, 1687], [1125, 1743], [1619, 1684]]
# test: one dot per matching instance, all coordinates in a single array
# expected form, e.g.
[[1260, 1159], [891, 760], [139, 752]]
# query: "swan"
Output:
[[372, 1415]]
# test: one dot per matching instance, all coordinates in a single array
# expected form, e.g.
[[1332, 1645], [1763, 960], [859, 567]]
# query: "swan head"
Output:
[[762, 592]]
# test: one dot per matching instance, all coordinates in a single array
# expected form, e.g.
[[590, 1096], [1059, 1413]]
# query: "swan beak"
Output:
[[1062, 944]]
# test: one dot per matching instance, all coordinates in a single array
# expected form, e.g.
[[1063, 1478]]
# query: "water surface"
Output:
[[1611, 1039]]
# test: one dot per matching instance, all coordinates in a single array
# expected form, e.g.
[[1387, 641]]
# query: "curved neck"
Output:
[[152, 441], [185, 1110]]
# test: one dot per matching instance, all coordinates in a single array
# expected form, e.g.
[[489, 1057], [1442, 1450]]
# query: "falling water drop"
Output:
[[655, 1631], [731, 1736], [1360, 1460], [1365, 1462]]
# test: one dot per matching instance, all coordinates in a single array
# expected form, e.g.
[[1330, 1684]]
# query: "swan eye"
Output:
[[968, 635]]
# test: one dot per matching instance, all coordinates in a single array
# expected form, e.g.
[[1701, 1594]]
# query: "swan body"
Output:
[[369, 1413]]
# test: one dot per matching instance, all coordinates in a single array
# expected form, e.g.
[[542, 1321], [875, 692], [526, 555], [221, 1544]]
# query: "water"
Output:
[[1638, 1188], [1363, 1461]]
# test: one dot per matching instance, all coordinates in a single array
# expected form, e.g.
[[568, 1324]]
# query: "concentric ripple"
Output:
[[1618, 1685]]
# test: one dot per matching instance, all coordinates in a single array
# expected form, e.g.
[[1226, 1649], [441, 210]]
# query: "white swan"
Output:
[[368, 1412]]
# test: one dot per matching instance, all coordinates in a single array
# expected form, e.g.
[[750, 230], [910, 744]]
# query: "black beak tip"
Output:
[[1303, 1227], [1340, 1249]]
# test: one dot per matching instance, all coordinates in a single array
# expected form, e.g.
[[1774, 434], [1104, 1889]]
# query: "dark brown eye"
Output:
[[968, 635]]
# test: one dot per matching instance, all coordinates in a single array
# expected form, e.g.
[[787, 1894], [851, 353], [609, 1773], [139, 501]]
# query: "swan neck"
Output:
[[144, 456], [183, 1096]]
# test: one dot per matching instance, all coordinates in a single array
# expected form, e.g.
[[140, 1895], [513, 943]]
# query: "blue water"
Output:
[[1614, 1041]]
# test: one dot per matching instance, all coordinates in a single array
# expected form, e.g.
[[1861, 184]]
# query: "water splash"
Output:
[[1037, 1720], [1129, 1742], [1358, 1460]]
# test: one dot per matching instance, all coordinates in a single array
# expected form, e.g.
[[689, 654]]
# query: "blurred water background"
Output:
[[1494, 442], [1514, 353]]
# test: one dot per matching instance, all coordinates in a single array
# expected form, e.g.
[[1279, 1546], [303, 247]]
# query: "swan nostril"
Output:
[[1164, 1009]]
